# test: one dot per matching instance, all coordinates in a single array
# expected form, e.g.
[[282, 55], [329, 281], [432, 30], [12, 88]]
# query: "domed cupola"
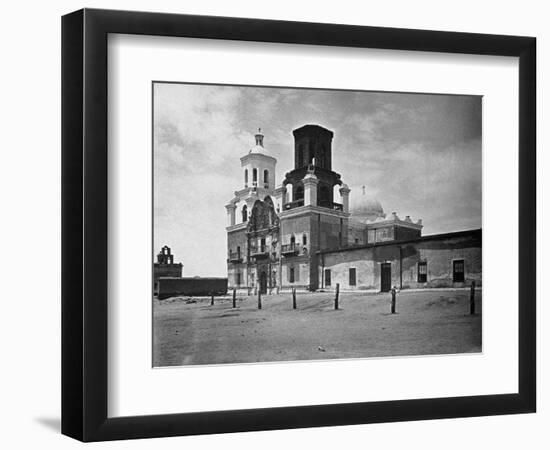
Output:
[[259, 148], [259, 167], [365, 209]]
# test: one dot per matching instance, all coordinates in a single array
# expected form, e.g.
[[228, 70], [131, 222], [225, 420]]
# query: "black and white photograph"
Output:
[[299, 224], [275, 225]]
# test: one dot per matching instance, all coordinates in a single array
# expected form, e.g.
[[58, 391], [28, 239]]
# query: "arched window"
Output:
[[299, 193], [289, 193], [300, 156], [245, 213], [245, 177], [292, 240], [266, 178], [304, 239], [254, 176]]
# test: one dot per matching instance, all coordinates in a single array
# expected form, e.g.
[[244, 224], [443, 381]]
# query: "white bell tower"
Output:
[[258, 180], [259, 166]]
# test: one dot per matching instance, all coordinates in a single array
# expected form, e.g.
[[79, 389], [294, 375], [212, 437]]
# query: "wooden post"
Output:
[[293, 298], [234, 298], [211, 299], [393, 295], [473, 298], [259, 299], [337, 294]]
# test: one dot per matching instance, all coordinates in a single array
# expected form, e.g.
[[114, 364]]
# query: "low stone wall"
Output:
[[171, 287]]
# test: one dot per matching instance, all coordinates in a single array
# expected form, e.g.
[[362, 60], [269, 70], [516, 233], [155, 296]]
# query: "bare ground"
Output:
[[191, 331]]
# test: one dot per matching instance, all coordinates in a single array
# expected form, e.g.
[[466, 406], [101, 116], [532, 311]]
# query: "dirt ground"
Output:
[[191, 331]]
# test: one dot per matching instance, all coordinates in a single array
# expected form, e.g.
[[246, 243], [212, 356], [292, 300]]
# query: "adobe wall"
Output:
[[171, 287], [236, 239], [232, 277], [437, 251], [167, 270], [301, 267]]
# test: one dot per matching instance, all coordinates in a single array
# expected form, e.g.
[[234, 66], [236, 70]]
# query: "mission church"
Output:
[[307, 234]]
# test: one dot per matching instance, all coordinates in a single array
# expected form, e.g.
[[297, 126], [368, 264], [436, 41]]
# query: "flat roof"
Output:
[[192, 278], [475, 232]]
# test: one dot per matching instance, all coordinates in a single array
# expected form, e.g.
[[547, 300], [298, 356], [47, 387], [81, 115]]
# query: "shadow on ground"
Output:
[[52, 423]]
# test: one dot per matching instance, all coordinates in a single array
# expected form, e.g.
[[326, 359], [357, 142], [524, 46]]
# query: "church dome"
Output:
[[259, 148], [366, 208]]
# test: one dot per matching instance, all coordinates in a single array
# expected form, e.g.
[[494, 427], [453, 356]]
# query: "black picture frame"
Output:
[[84, 224]]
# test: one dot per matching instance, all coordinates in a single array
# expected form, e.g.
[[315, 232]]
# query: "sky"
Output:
[[418, 154]]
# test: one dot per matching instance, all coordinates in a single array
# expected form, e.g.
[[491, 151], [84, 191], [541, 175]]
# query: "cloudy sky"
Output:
[[418, 154]]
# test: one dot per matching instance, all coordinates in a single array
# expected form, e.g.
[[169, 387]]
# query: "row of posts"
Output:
[[294, 304], [337, 295], [472, 299]]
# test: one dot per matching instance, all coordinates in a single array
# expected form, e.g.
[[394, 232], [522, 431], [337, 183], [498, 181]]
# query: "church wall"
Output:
[[381, 234], [301, 268], [339, 264], [167, 270], [402, 233], [329, 229], [237, 239], [327, 232], [297, 226], [237, 276], [438, 252], [439, 256], [356, 234]]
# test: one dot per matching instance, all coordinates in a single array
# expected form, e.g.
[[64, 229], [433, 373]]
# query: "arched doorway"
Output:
[[324, 197], [263, 282]]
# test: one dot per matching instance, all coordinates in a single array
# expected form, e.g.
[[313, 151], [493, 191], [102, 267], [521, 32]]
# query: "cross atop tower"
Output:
[[259, 138]]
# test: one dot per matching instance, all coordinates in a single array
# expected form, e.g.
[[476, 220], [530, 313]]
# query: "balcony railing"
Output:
[[294, 204], [332, 205], [259, 252], [290, 249], [235, 257]]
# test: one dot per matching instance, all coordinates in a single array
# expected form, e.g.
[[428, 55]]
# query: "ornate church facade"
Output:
[[296, 235]]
